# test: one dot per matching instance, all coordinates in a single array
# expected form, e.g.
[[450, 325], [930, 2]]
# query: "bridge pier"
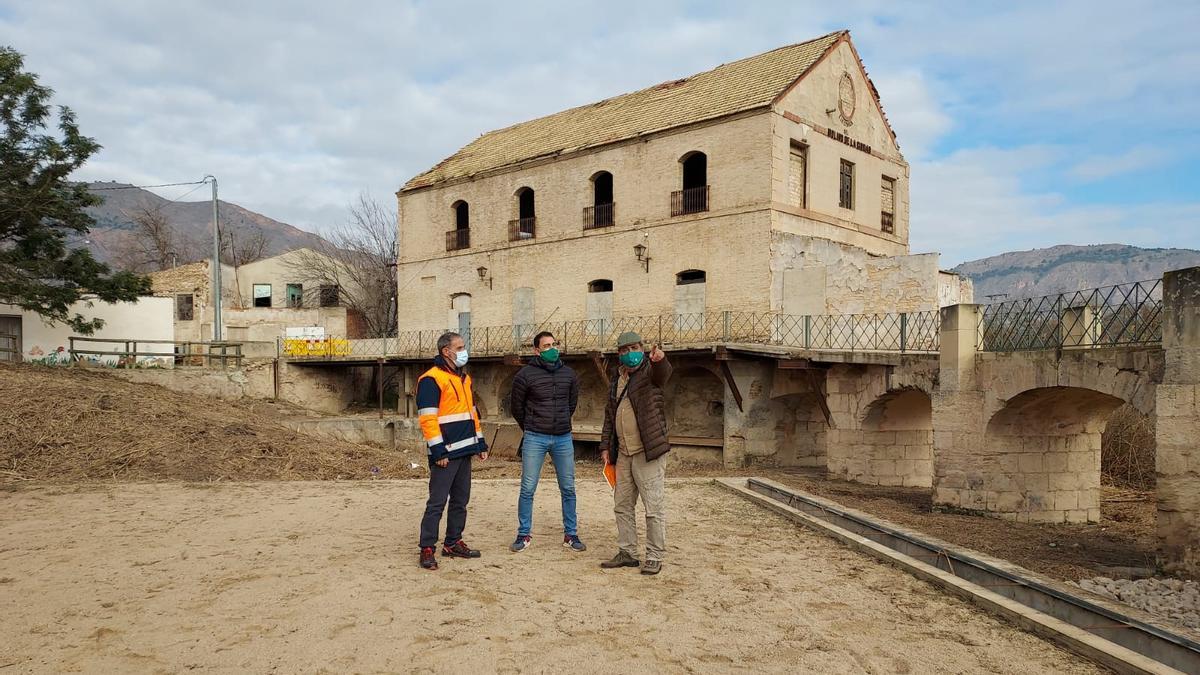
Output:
[[1018, 434], [1178, 424]]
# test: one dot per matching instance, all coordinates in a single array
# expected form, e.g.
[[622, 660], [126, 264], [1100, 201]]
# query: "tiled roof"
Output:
[[731, 88]]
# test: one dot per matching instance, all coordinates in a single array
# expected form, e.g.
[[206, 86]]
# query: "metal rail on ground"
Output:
[[1170, 649]]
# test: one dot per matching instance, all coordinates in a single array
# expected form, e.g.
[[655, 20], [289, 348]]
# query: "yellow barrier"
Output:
[[327, 347]]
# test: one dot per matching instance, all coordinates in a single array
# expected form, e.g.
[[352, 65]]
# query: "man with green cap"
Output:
[[634, 438]]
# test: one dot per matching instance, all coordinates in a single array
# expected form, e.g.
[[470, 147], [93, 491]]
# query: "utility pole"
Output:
[[216, 271]]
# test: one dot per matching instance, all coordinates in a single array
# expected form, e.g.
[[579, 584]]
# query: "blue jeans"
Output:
[[533, 454]]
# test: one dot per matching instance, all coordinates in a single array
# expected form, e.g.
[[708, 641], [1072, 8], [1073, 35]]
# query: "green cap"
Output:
[[628, 338]]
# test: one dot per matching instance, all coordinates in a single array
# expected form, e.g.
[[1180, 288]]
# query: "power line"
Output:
[[142, 187]]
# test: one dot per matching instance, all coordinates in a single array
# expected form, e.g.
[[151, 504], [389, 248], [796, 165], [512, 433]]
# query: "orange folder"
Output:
[[610, 475]]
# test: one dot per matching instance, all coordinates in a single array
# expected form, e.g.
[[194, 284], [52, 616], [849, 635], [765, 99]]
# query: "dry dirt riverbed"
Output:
[[305, 577]]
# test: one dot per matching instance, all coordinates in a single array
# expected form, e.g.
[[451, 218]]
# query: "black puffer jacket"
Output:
[[544, 396]]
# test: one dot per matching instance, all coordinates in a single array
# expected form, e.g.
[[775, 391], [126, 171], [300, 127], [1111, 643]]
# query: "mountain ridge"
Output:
[[111, 239], [1068, 267]]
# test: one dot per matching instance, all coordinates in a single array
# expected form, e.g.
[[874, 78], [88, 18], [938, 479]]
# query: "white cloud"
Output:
[[972, 204], [1138, 157], [297, 107]]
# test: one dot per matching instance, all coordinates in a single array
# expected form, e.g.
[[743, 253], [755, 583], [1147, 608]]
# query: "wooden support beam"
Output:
[[513, 360], [601, 364], [737, 394], [820, 392], [379, 385], [795, 364]]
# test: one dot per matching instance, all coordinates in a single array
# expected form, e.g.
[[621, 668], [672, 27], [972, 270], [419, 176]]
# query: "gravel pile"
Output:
[[1172, 599]]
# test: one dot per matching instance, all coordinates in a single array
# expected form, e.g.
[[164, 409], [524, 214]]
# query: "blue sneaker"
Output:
[[572, 542], [523, 541]]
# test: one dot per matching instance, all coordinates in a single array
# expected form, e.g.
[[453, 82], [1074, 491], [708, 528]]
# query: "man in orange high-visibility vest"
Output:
[[450, 423]]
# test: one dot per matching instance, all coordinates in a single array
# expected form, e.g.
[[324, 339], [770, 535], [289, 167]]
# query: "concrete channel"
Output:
[[1104, 634]]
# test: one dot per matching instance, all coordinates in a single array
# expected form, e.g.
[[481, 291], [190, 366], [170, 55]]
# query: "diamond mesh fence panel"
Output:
[[908, 332], [1124, 314]]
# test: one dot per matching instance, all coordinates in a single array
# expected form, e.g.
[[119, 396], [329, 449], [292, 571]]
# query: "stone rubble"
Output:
[[1175, 600]]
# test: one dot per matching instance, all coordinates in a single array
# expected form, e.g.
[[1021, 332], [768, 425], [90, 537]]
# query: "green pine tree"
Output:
[[40, 208]]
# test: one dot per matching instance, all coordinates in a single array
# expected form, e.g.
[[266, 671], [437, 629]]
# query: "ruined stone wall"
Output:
[[817, 276]]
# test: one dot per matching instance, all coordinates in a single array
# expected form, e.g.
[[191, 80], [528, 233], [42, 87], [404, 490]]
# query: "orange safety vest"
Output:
[[447, 414]]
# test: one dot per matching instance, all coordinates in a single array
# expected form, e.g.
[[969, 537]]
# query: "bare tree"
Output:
[[242, 245], [359, 259], [153, 244]]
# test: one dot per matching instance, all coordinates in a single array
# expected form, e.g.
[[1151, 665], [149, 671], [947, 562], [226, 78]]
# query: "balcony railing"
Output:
[[691, 200], [456, 240], [522, 229], [600, 215]]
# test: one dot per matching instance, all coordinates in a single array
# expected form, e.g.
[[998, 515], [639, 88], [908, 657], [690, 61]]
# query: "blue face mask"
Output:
[[460, 358], [632, 359]]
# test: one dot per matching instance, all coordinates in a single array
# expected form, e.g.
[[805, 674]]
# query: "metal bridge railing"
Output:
[[1125, 314], [912, 332]]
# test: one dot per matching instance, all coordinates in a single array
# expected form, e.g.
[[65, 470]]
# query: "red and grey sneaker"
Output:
[[573, 542], [459, 550], [522, 542], [427, 560]]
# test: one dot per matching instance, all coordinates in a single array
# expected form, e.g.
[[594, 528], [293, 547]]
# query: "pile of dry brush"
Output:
[[66, 425], [1127, 450]]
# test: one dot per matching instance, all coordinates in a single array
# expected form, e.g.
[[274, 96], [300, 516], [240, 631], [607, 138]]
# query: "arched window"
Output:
[[695, 170], [690, 291], [693, 198], [462, 215], [522, 227], [460, 316], [460, 237], [600, 213], [599, 306]]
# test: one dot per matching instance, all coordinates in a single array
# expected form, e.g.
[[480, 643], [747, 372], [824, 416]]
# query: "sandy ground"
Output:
[[310, 577]]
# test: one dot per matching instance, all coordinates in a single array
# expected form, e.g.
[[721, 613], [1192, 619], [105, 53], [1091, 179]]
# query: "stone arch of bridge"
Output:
[[1041, 452], [893, 444]]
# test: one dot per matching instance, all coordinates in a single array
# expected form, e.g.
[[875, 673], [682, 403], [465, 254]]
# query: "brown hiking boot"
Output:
[[427, 560], [621, 559], [652, 567], [460, 550]]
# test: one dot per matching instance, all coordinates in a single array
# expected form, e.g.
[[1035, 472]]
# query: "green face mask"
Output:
[[632, 359], [550, 355]]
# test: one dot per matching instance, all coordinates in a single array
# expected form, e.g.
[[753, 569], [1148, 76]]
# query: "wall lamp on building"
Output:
[[484, 276], [643, 255]]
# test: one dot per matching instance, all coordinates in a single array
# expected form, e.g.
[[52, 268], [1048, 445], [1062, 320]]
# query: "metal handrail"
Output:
[[908, 332], [1109, 316], [182, 352]]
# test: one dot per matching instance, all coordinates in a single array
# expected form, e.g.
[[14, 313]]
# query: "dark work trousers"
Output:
[[453, 481]]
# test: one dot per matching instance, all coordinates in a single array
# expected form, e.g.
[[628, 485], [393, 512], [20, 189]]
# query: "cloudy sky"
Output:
[[1026, 124]]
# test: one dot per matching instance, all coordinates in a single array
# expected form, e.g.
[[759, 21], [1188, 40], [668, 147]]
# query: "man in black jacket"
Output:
[[544, 395]]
